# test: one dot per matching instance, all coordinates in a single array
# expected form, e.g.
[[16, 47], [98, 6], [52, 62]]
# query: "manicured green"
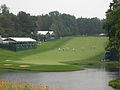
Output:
[[86, 48], [88, 51], [115, 83]]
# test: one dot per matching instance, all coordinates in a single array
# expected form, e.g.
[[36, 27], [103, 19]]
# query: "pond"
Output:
[[89, 79]]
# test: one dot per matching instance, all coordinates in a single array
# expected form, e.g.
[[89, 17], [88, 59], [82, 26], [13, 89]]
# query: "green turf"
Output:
[[47, 57], [86, 47]]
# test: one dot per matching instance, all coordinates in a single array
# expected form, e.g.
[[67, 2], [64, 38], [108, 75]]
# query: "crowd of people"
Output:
[[63, 49]]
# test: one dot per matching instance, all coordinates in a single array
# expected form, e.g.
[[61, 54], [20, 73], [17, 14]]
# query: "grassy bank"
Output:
[[75, 53], [6, 54], [115, 83]]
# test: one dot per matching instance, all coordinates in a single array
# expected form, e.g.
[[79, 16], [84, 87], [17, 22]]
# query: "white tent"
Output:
[[102, 34], [45, 32], [19, 39]]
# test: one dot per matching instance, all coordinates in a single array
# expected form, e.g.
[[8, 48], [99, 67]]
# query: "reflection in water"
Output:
[[91, 79], [111, 69]]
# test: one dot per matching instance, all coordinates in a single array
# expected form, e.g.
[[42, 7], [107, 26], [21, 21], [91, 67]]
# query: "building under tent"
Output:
[[17, 43], [46, 35]]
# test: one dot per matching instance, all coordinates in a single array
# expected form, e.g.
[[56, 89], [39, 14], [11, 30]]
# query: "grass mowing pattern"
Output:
[[88, 50]]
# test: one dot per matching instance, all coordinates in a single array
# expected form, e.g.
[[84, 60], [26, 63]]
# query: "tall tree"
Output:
[[4, 9], [112, 26]]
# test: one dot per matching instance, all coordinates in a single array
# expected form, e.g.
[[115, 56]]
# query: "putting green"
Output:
[[78, 48]]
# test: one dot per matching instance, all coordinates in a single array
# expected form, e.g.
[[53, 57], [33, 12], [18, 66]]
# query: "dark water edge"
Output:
[[89, 79]]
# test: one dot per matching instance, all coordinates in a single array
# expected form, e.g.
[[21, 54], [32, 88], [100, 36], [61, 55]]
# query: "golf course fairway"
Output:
[[68, 52]]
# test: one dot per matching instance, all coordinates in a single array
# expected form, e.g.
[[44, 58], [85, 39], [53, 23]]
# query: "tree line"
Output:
[[23, 24]]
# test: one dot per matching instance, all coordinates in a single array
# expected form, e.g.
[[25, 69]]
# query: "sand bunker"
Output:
[[24, 65], [7, 64]]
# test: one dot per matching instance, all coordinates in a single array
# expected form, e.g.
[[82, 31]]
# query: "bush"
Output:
[[115, 83]]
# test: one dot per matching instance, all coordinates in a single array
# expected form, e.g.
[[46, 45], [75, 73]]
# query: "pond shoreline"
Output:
[[60, 68]]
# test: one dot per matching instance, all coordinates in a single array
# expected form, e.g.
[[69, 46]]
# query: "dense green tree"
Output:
[[70, 24], [44, 22], [7, 25], [90, 26], [112, 26], [28, 25]]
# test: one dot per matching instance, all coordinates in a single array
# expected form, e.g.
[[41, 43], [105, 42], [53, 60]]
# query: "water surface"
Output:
[[90, 79]]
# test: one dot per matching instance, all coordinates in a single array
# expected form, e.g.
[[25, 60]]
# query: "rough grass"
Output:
[[88, 51]]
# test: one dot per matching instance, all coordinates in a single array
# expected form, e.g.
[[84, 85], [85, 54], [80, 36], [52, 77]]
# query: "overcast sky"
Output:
[[78, 8]]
